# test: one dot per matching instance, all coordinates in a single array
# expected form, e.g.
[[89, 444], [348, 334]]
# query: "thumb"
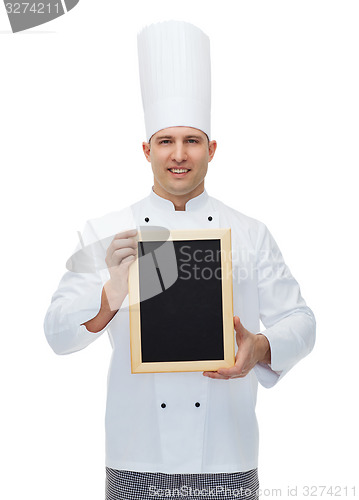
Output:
[[239, 328]]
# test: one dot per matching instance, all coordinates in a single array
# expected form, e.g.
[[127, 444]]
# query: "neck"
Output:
[[179, 200]]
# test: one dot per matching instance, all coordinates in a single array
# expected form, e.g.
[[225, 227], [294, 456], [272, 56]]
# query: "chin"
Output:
[[180, 192]]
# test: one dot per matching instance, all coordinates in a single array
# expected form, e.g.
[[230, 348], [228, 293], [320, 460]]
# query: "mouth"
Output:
[[179, 172]]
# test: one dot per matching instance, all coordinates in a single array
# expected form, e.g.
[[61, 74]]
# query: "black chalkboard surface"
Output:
[[181, 306]]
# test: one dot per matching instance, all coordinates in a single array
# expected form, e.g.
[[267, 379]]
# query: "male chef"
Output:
[[193, 434]]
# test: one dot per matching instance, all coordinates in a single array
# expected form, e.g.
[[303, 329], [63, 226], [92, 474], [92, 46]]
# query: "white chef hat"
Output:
[[175, 75]]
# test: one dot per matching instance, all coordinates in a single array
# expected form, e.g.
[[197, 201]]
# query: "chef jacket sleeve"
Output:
[[290, 324], [77, 300]]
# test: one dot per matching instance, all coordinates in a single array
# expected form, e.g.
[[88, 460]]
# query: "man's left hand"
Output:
[[252, 349]]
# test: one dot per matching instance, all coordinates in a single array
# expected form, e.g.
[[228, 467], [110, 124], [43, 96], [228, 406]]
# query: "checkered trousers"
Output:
[[130, 485]]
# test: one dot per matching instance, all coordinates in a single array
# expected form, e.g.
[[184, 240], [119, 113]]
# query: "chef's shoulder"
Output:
[[247, 229]]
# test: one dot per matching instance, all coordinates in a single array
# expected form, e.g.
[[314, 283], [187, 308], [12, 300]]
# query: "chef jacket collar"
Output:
[[196, 203]]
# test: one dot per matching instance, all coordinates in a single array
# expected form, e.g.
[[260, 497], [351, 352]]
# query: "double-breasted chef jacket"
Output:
[[185, 422]]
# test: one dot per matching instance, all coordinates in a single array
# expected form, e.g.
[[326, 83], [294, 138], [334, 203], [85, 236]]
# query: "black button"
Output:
[[210, 218], [197, 405], [163, 405], [147, 219]]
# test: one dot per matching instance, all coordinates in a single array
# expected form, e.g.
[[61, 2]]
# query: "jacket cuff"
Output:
[[290, 340], [266, 376], [84, 307]]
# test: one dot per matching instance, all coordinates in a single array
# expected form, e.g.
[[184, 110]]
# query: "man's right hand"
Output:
[[120, 255]]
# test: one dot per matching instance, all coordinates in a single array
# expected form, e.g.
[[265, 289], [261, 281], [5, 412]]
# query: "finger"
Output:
[[241, 332], [239, 328], [236, 322], [123, 243], [230, 372], [119, 255], [129, 259], [215, 375], [235, 374], [130, 233], [234, 370]]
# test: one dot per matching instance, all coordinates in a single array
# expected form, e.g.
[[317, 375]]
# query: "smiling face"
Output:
[[179, 157]]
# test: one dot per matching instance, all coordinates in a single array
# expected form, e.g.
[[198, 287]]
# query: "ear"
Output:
[[147, 150], [212, 146]]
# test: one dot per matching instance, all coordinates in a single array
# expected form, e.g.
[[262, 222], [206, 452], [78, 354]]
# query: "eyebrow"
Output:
[[191, 136]]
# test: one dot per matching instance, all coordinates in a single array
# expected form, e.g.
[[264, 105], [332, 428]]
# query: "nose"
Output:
[[179, 153]]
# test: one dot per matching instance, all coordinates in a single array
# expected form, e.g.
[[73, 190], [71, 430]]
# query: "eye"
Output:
[[193, 141], [165, 141]]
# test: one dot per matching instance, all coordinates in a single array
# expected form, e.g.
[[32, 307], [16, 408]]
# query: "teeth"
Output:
[[178, 170]]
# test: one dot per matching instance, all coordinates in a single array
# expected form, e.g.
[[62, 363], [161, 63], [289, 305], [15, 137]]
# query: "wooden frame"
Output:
[[219, 237]]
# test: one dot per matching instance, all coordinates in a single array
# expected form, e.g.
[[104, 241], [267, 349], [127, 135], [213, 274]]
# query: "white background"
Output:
[[285, 115]]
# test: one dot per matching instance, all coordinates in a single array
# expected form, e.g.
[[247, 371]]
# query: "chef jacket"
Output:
[[185, 422]]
